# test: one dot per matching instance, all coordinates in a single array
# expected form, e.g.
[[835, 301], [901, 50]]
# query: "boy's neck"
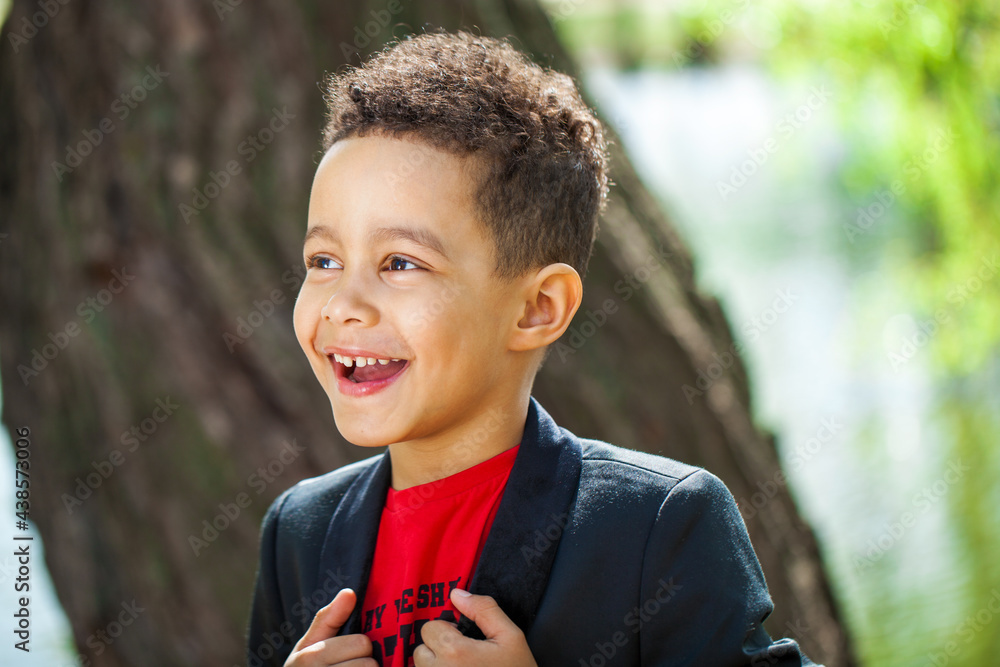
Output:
[[494, 430]]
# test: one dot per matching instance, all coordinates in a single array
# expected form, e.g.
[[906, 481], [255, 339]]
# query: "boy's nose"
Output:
[[350, 303]]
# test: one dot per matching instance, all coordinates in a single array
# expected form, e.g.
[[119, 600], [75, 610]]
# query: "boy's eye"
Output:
[[320, 262], [397, 263]]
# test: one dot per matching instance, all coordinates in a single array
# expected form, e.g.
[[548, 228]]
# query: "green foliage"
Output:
[[932, 69], [922, 105], [917, 95]]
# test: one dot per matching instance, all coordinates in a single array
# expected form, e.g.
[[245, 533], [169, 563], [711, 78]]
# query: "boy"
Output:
[[450, 222]]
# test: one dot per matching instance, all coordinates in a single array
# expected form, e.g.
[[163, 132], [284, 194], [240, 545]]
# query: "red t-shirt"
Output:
[[429, 540]]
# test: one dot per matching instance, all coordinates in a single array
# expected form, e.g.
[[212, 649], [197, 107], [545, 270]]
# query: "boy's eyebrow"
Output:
[[319, 231], [421, 237]]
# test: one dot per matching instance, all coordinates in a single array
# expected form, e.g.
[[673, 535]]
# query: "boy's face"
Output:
[[398, 269]]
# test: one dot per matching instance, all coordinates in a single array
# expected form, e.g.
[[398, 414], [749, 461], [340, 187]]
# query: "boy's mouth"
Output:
[[366, 369]]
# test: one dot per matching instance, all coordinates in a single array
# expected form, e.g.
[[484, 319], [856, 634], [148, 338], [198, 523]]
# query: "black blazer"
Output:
[[602, 555]]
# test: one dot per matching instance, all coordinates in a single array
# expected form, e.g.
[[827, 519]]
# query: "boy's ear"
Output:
[[551, 298]]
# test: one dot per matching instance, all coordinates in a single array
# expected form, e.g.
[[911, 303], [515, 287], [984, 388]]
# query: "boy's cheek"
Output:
[[301, 324], [296, 316]]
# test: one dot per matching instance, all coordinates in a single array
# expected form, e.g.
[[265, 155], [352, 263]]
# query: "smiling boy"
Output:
[[450, 223]]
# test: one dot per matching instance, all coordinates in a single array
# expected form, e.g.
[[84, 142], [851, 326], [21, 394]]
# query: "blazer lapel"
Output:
[[349, 547], [533, 513], [514, 565]]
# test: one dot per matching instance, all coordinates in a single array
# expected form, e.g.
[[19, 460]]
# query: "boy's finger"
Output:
[[484, 610], [329, 619], [436, 635], [346, 651]]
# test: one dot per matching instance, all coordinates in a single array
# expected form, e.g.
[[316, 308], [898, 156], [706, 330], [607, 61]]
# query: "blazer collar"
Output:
[[515, 562]]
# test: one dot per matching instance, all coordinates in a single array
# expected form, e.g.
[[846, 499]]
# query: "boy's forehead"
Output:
[[401, 173], [400, 159], [361, 194], [396, 185]]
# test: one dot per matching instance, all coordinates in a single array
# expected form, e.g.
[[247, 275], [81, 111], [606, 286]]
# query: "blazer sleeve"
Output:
[[269, 632], [703, 596]]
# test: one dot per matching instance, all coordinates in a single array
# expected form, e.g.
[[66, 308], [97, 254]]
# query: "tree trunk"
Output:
[[157, 164]]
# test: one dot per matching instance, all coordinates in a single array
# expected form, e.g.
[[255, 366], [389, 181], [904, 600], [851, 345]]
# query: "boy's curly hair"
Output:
[[545, 180]]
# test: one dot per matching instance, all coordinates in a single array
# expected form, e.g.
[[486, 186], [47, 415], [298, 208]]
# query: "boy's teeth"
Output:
[[360, 361]]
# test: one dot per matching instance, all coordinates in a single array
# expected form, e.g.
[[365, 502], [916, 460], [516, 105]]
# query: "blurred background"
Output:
[[824, 176]]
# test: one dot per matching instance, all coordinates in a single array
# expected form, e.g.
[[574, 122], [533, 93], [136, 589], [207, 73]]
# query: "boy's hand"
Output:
[[444, 646], [320, 645]]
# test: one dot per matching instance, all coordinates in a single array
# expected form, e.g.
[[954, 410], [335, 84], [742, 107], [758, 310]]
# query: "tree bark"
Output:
[[149, 346]]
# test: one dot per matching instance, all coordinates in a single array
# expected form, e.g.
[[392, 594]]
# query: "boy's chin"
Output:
[[370, 443], [361, 434]]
